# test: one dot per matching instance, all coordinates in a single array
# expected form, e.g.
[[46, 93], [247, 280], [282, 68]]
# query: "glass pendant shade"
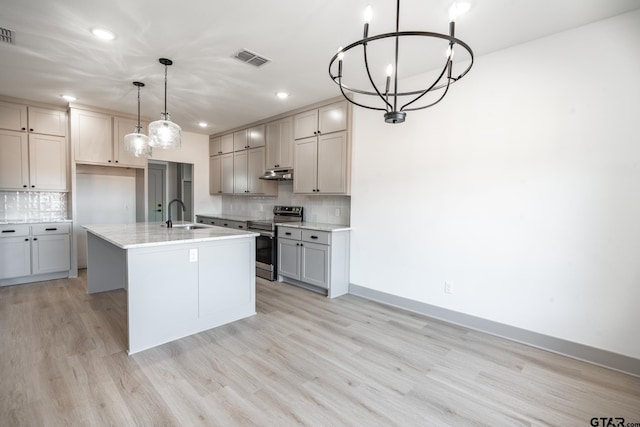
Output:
[[165, 133], [137, 144]]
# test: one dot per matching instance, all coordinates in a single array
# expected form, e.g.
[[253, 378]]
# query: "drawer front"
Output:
[[289, 233], [233, 224], [8, 230], [314, 236], [54, 228]]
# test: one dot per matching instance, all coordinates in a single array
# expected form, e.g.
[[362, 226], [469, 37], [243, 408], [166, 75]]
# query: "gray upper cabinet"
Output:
[[321, 154], [13, 116], [47, 122], [33, 148], [279, 140], [221, 145], [98, 138], [327, 119]]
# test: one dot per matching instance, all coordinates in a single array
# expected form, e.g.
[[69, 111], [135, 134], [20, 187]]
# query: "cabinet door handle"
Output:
[[108, 161], [33, 186], [116, 161], [24, 128], [158, 210], [25, 185], [30, 130], [35, 238], [314, 237], [26, 240], [8, 231], [287, 233], [240, 226], [50, 229]]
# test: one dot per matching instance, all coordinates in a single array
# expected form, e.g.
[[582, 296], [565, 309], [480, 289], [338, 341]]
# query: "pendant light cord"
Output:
[[139, 127], [165, 91]]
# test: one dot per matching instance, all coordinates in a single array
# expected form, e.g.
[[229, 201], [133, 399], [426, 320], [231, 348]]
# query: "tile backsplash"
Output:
[[321, 209], [32, 205]]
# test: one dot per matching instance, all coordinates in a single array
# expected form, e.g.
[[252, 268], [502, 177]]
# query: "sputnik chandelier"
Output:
[[389, 98]]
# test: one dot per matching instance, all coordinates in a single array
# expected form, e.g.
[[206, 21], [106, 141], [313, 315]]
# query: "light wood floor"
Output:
[[302, 360]]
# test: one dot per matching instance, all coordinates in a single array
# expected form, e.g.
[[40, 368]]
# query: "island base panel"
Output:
[[106, 265], [172, 295]]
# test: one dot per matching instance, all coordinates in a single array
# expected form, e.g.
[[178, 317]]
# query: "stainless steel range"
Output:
[[266, 243]]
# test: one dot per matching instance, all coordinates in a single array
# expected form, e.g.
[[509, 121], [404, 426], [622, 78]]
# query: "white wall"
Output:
[[522, 188], [105, 196], [194, 150]]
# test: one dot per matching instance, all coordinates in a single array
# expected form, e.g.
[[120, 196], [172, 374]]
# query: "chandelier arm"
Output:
[[366, 66], [354, 102], [402, 34], [424, 92], [432, 104]]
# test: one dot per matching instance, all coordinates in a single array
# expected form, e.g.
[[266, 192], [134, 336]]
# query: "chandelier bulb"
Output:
[[453, 12], [389, 70], [340, 54], [368, 13]]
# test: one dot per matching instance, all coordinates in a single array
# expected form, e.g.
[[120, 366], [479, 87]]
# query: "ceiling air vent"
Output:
[[7, 36], [249, 57]]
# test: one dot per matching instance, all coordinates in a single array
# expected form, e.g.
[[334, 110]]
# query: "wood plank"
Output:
[[302, 360]]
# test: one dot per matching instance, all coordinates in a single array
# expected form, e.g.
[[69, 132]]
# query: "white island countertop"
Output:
[[146, 234]]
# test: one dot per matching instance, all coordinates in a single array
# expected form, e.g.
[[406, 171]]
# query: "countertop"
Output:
[[32, 221], [146, 234], [315, 226], [243, 218]]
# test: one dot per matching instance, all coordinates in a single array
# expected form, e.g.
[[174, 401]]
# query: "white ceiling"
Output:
[[55, 53]]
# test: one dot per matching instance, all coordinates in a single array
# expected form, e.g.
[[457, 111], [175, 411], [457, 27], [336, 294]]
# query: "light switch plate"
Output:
[[193, 255]]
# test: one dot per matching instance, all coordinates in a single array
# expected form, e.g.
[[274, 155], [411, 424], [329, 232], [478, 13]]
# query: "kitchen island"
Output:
[[179, 280]]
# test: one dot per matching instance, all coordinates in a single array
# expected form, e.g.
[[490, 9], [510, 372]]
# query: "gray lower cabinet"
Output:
[[31, 253], [315, 259], [221, 222]]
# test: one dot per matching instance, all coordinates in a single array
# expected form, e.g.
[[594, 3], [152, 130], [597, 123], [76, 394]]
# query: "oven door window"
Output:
[[264, 250]]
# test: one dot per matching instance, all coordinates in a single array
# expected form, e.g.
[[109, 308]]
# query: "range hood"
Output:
[[278, 175]]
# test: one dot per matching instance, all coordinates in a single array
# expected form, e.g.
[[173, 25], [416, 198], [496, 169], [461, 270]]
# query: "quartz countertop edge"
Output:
[[149, 234], [315, 226], [32, 221]]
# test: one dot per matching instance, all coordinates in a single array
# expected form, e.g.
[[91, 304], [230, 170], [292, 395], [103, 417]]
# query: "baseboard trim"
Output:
[[596, 356]]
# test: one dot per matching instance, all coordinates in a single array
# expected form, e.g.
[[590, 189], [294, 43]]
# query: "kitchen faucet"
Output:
[[169, 222]]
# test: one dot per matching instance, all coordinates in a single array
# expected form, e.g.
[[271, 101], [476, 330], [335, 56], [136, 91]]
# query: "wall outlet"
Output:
[[448, 288], [337, 212], [193, 255]]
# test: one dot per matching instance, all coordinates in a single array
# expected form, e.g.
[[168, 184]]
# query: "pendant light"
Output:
[[388, 97], [137, 143], [164, 133]]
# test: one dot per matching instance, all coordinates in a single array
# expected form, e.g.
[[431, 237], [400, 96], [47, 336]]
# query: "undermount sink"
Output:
[[189, 226]]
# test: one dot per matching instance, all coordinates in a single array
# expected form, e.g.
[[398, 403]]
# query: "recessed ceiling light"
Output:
[[203, 124], [103, 34], [282, 95], [69, 97]]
